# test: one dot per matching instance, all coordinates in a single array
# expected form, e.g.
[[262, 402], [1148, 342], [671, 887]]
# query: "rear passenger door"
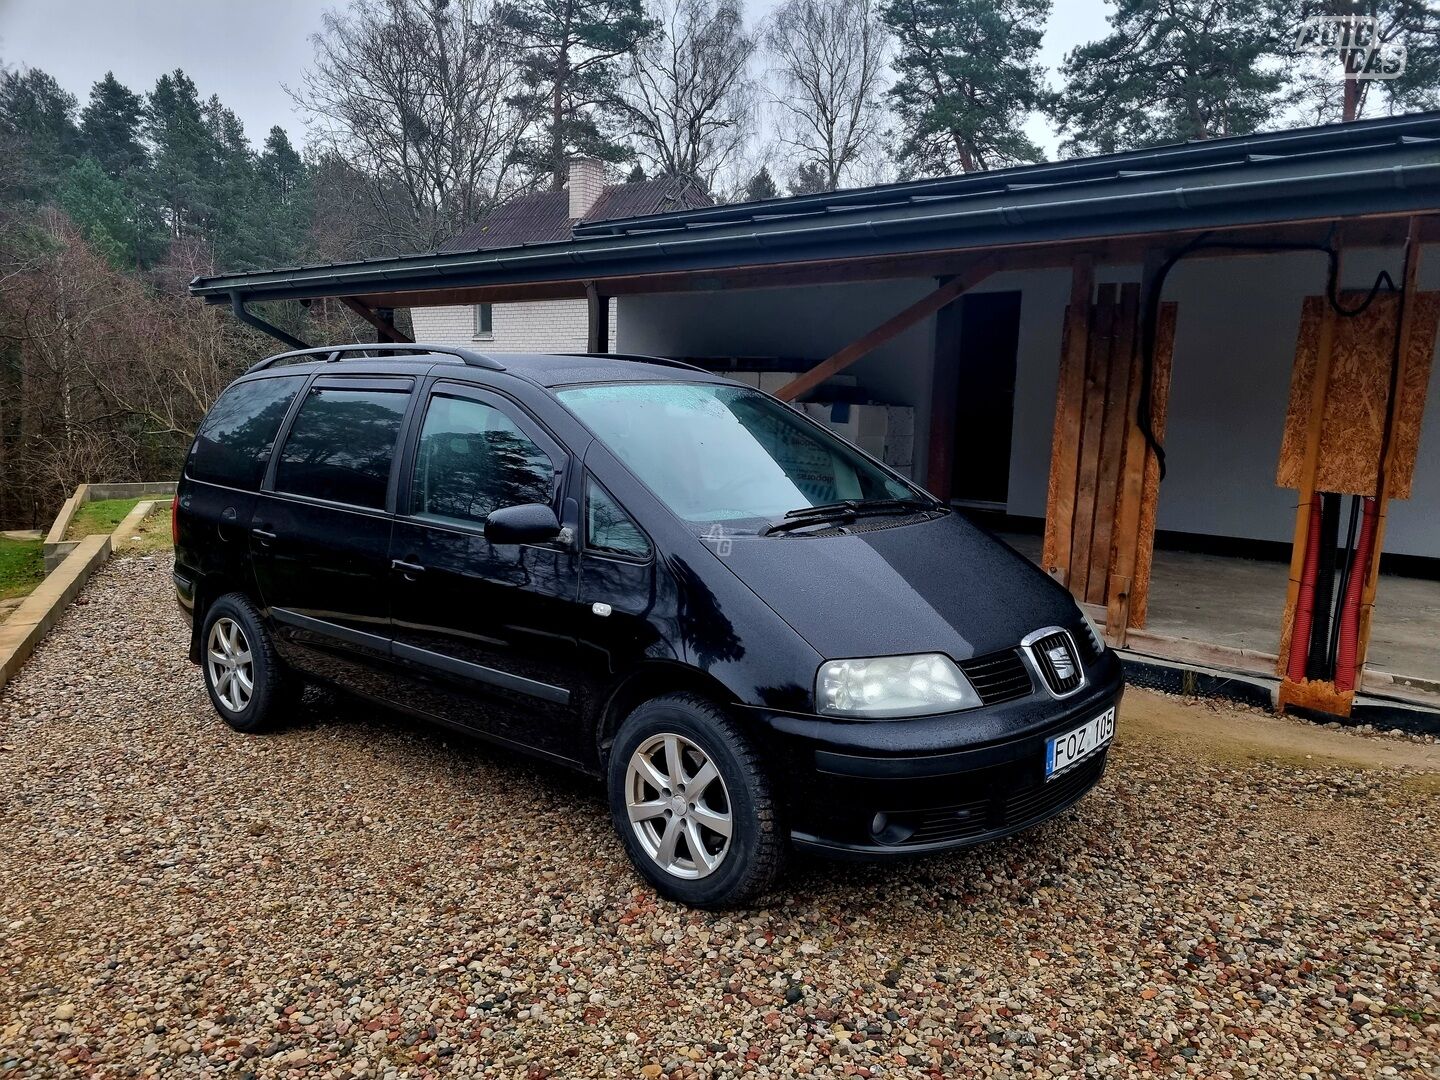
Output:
[[320, 535], [484, 633]]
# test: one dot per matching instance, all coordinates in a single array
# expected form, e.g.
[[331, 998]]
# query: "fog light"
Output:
[[878, 824]]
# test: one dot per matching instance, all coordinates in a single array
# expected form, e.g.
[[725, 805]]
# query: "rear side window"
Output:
[[341, 445], [473, 459], [233, 445]]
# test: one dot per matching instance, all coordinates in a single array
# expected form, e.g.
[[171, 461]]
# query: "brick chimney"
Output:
[[587, 180]]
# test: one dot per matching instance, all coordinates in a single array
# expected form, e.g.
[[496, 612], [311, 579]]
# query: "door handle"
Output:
[[262, 534], [409, 569]]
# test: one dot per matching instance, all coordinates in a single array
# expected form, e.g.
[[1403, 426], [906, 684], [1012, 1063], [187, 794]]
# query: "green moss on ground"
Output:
[[22, 566]]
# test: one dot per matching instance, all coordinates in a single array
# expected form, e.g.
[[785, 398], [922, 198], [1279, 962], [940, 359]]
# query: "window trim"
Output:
[[586, 480], [479, 332], [324, 381], [521, 417]]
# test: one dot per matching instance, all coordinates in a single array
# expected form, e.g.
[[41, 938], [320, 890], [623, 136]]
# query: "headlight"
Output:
[[1096, 638], [891, 686]]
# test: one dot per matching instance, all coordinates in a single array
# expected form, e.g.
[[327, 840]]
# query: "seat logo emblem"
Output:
[[1060, 661]]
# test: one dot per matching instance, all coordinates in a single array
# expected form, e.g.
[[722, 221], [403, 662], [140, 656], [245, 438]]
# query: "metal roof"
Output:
[[1389, 165]]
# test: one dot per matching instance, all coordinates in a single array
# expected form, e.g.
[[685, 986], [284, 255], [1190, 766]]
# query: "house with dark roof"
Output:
[[547, 217]]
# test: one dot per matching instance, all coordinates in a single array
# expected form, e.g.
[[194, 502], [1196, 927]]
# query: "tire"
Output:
[[661, 843], [234, 646]]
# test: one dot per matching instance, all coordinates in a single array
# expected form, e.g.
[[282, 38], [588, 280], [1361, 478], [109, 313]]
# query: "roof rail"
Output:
[[404, 350], [640, 358]]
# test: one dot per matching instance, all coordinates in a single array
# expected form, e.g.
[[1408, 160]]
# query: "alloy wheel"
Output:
[[232, 669], [679, 806]]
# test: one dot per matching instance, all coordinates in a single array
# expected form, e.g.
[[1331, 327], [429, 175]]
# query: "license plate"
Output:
[[1074, 746]]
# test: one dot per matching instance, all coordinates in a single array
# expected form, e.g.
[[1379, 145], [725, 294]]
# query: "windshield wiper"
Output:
[[845, 510]]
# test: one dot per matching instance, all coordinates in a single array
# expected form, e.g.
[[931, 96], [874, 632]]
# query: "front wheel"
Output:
[[692, 803]]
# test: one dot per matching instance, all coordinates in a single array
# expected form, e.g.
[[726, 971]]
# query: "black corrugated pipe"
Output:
[[1347, 567], [1144, 411], [237, 306], [1315, 667]]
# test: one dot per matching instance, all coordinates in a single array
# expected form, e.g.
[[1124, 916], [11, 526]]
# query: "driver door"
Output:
[[483, 633]]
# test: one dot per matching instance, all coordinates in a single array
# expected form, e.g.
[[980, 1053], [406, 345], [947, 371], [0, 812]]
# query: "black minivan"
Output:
[[757, 635]]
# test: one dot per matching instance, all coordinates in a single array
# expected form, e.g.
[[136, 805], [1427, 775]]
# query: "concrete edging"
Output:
[[125, 531], [56, 549], [38, 612]]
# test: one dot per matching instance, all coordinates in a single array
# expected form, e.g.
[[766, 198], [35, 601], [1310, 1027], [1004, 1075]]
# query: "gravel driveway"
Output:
[[357, 897]]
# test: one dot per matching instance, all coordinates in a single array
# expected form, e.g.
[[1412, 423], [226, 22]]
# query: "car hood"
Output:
[[936, 586]]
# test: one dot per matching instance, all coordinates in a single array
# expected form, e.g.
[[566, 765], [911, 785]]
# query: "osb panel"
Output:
[[1291, 468], [1150, 493], [1415, 380], [1357, 395]]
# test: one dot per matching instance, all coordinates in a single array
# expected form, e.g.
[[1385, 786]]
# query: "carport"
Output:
[[1249, 317]]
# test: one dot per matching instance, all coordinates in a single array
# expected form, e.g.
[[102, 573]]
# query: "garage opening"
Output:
[[985, 399]]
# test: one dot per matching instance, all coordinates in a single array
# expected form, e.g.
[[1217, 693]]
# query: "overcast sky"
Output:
[[244, 50]]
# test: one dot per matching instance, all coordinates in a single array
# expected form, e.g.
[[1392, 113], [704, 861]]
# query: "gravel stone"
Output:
[[358, 896]]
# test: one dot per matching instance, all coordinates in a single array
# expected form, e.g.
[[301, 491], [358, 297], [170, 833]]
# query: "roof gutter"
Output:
[[1399, 187]]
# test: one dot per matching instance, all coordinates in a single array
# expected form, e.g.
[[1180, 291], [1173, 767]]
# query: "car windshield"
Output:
[[728, 455]]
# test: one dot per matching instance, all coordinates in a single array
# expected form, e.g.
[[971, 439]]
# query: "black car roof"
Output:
[[544, 369]]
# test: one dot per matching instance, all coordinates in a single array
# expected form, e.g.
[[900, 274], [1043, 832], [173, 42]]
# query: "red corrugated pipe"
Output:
[[1354, 588], [1305, 600]]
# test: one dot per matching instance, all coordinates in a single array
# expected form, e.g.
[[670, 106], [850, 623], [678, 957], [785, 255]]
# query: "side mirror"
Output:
[[528, 523]]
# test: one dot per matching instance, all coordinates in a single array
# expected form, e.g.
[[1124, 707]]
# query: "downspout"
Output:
[[237, 308]]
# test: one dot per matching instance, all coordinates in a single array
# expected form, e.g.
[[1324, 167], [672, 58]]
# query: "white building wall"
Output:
[[1235, 344], [528, 326]]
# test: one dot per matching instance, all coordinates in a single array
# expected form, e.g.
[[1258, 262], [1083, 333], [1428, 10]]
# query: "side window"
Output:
[[234, 443], [341, 445], [608, 527], [473, 459], [484, 320]]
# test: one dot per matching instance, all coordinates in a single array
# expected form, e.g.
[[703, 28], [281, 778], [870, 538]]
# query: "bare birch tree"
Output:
[[419, 97], [828, 59], [688, 96]]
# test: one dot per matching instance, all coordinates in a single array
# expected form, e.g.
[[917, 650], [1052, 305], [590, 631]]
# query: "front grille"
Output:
[[1005, 808], [1057, 661], [1091, 648], [998, 676]]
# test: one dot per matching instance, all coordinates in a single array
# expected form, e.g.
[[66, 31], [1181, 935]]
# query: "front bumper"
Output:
[[940, 782]]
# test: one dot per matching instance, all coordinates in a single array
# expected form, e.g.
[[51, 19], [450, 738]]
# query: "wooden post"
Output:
[[944, 395], [597, 311], [1403, 332], [1065, 441], [1314, 695], [892, 327]]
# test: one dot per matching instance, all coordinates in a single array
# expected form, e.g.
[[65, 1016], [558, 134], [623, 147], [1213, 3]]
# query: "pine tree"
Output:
[[1173, 70], [966, 81], [110, 128], [761, 186], [809, 179], [1325, 95], [37, 120], [183, 158], [569, 52]]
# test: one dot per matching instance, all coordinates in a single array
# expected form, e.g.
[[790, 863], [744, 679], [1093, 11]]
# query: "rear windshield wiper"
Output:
[[845, 510]]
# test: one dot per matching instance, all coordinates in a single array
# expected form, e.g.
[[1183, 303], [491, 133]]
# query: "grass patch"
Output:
[[22, 567], [154, 531], [100, 516]]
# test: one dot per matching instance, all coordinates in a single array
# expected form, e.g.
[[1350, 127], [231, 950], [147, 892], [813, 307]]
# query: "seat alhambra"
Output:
[[759, 637]]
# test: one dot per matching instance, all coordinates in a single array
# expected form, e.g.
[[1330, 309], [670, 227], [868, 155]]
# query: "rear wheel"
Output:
[[248, 684], [693, 804]]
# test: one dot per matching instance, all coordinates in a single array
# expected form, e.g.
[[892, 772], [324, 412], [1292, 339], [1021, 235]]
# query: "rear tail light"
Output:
[[175, 521]]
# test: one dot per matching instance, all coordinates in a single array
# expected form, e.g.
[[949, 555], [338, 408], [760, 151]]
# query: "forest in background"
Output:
[[422, 115]]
